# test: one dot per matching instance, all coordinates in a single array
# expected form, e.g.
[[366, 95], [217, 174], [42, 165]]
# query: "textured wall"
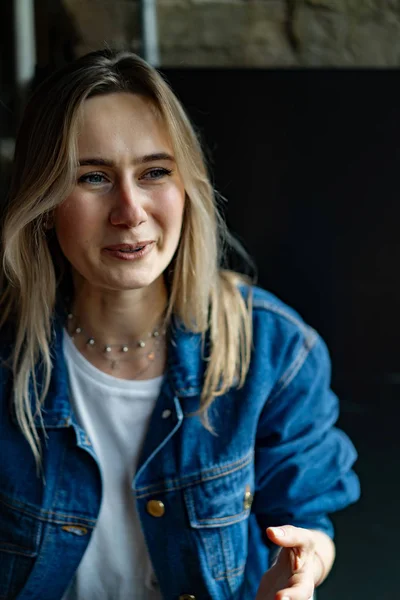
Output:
[[251, 32]]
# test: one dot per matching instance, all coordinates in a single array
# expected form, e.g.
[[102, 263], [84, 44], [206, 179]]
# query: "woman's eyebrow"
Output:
[[104, 162]]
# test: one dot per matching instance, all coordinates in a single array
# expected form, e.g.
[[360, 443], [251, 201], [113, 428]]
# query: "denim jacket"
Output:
[[274, 457]]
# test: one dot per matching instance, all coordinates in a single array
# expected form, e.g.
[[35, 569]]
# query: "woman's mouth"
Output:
[[129, 251]]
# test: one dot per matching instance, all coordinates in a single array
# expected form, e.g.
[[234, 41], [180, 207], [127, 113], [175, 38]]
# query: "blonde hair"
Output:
[[203, 296]]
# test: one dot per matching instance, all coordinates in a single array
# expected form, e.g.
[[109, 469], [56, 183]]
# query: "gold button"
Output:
[[155, 508], [248, 498], [187, 597]]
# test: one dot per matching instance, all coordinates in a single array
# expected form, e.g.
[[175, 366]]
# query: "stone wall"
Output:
[[247, 33]]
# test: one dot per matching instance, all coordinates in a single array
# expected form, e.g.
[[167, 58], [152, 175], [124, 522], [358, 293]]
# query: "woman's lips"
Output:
[[129, 252], [126, 246]]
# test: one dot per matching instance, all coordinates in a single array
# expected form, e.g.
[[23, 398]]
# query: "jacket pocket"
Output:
[[218, 508], [20, 533]]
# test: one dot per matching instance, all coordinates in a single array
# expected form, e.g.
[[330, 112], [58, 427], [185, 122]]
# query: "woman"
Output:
[[168, 428]]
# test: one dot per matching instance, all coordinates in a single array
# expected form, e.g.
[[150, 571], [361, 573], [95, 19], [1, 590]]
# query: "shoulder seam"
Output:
[[310, 338], [269, 306], [285, 380]]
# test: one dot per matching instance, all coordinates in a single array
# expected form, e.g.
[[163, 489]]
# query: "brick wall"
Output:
[[249, 33]]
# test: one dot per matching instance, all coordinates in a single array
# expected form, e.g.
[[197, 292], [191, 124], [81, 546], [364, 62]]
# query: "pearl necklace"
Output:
[[114, 352]]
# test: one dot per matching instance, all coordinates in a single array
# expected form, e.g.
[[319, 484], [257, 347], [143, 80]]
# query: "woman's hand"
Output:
[[292, 576]]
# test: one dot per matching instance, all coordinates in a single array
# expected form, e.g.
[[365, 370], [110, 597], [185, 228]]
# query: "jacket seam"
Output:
[[55, 517], [231, 573], [228, 518], [182, 483], [16, 549], [225, 553], [257, 305], [208, 522], [273, 308], [289, 375]]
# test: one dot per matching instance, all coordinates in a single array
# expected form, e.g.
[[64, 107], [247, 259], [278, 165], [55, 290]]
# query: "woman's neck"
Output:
[[115, 317]]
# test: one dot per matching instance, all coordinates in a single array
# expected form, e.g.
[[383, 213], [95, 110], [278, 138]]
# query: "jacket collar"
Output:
[[185, 371]]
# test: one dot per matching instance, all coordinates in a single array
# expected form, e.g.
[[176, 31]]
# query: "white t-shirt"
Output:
[[115, 414]]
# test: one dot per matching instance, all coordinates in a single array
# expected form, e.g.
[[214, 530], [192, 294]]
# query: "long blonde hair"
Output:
[[203, 296]]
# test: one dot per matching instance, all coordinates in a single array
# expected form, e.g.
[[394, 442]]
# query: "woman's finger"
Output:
[[288, 536], [300, 592], [299, 543]]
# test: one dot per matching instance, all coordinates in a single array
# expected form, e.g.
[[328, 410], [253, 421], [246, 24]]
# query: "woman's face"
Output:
[[120, 226]]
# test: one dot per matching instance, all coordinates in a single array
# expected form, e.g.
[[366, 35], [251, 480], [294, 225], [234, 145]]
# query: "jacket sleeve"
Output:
[[303, 463]]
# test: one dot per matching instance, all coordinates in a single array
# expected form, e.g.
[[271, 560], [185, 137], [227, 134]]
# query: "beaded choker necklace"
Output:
[[147, 347]]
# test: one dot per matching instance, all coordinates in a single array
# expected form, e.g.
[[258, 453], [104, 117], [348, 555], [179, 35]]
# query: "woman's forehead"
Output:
[[120, 124]]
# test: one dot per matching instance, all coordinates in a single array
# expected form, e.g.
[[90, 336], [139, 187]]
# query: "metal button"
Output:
[[75, 529], [155, 508], [187, 597], [166, 413], [248, 498]]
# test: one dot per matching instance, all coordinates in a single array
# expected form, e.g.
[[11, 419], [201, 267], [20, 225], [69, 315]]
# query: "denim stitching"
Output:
[[58, 517], [178, 484], [231, 573], [189, 504], [295, 366], [238, 515], [225, 555], [220, 468], [291, 372], [264, 305], [59, 475], [38, 535], [257, 304], [221, 521], [25, 552], [209, 553]]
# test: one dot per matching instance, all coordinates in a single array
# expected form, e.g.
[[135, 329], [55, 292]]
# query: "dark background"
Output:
[[308, 161]]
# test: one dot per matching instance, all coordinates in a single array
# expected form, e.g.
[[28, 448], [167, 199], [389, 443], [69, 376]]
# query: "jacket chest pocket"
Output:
[[218, 509], [20, 534]]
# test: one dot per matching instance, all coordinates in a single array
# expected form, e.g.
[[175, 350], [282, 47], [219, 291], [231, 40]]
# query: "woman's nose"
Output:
[[128, 209]]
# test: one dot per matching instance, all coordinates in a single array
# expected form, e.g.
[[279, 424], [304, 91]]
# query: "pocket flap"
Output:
[[221, 501]]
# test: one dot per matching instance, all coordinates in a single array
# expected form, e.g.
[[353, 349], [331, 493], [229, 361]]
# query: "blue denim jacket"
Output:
[[274, 458]]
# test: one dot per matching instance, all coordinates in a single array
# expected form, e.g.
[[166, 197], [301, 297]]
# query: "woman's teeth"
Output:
[[130, 251]]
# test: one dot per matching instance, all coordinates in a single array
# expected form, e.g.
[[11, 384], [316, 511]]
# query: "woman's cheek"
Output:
[[75, 216], [172, 201]]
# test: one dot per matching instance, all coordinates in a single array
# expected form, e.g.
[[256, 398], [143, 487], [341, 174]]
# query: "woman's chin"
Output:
[[122, 284]]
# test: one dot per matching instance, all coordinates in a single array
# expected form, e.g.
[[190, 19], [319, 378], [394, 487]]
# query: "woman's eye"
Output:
[[92, 178], [157, 173]]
